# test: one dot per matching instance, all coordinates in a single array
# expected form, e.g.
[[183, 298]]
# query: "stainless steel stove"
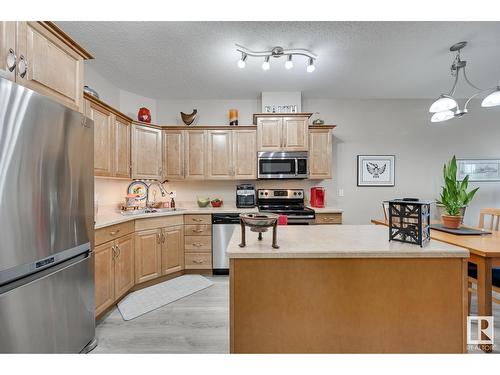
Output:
[[289, 202]]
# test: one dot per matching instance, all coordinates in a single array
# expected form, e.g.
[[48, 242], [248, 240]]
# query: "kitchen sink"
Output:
[[143, 211]]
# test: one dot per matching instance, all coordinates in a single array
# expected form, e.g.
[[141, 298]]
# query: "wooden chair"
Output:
[[493, 214], [494, 223]]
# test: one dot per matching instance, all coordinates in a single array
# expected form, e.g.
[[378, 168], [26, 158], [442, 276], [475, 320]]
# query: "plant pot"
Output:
[[452, 222], [442, 211]]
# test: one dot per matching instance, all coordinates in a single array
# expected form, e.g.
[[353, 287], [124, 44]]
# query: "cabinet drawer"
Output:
[[158, 222], [197, 219], [333, 218], [198, 230], [198, 243], [198, 261], [106, 234]]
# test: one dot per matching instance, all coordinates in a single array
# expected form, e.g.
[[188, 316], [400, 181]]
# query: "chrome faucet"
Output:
[[162, 191]]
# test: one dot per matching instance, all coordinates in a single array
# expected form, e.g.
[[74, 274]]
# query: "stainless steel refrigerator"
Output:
[[46, 225]]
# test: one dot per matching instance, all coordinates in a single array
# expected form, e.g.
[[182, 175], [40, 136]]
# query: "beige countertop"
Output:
[[327, 210], [111, 215], [336, 241]]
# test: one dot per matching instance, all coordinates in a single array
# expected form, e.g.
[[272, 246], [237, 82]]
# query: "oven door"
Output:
[[282, 165]]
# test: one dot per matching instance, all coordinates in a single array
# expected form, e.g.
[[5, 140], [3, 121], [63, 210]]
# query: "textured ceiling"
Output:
[[197, 60]]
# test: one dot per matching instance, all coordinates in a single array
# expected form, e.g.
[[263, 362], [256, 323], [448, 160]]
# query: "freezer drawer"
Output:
[[51, 311]]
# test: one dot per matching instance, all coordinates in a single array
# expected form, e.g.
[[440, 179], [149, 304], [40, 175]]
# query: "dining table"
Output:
[[484, 252]]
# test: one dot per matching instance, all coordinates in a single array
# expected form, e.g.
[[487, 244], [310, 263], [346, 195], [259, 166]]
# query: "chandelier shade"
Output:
[[442, 116], [443, 103], [493, 99]]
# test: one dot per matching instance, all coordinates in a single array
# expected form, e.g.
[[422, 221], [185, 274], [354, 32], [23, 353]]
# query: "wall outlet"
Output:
[[341, 192]]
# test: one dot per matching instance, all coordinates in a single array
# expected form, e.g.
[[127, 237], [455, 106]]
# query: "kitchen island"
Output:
[[345, 289]]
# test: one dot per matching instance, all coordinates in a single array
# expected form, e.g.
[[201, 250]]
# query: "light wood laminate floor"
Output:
[[198, 323]]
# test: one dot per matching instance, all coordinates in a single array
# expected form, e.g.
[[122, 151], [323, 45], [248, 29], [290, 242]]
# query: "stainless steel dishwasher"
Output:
[[223, 227]]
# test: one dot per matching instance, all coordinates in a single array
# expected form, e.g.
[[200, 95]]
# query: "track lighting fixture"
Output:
[[277, 52], [443, 106]]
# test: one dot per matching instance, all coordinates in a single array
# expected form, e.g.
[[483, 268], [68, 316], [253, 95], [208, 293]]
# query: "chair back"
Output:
[[385, 207], [494, 218]]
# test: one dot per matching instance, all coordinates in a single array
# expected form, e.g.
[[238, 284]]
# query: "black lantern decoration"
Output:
[[410, 221]]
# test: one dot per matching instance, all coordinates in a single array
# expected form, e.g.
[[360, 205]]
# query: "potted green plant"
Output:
[[454, 196]]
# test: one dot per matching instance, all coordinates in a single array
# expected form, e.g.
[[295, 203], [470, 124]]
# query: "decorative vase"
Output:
[[452, 222], [233, 117], [144, 115]]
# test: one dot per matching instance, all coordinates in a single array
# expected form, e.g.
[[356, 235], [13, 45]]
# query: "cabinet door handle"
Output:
[[162, 238], [114, 251], [11, 60], [197, 261], [158, 240], [197, 244], [197, 220], [23, 66], [198, 230], [118, 251], [114, 232]]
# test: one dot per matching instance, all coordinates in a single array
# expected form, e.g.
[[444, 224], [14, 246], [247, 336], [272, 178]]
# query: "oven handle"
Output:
[[296, 167]]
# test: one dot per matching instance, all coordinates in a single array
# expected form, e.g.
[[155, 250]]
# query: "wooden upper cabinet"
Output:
[[147, 255], [146, 152], [295, 133], [54, 63], [194, 154], [103, 139], [269, 134], [320, 153], [245, 154], [104, 277], [173, 154], [124, 265], [219, 155], [121, 147], [172, 249], [8, 46]]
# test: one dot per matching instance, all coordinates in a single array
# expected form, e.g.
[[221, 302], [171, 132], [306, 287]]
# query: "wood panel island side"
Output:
[[345, 289]]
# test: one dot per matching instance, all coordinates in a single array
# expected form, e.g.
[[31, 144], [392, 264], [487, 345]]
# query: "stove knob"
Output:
[[294, 193], [266, 193]]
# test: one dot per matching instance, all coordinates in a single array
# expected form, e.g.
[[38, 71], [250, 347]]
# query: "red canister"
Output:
[[144, 115]]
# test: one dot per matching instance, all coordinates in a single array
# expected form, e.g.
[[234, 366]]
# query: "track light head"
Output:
[[310, 67], [265, 64], [289, 62], [242, 61]]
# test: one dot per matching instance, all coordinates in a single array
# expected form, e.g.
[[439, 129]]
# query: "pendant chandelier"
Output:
[[446, 106]]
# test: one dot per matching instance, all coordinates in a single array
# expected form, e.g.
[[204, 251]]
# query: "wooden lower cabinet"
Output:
[[147, 255], [104, 277], [198, 242], [124, 265], [172, 249], [114, 271]]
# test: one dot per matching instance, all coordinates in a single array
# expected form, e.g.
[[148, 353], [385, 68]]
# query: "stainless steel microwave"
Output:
[[282, 165]]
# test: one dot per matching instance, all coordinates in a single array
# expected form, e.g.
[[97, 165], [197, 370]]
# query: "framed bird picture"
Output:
[[376, 170]]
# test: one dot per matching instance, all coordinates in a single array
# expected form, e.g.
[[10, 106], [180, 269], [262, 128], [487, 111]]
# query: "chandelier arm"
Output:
[[452, 91], [470, 83]]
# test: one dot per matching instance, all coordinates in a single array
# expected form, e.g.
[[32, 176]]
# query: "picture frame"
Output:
[[376, 170], [479, 170]]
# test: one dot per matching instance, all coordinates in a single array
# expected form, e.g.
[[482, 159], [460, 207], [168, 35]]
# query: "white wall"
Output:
[[210, 112], [402, 128], [108, 92]]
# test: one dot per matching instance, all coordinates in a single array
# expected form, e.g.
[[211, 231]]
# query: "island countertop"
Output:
[[336, 241]]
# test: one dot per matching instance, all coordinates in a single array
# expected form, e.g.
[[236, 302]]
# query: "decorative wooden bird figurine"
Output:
[[188, 119]]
